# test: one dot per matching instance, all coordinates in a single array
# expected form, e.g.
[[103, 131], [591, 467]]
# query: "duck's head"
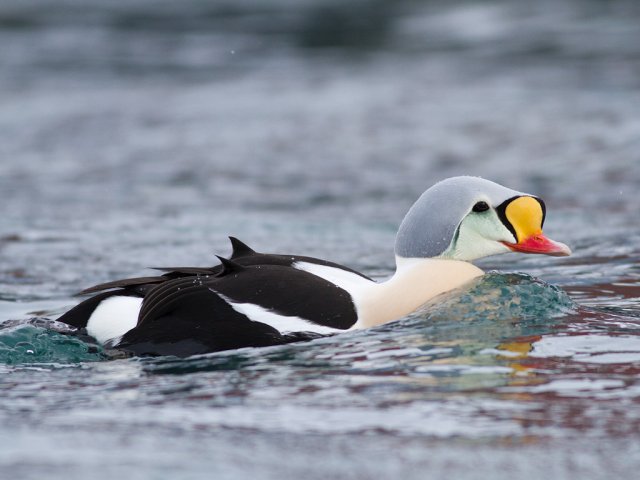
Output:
[[466, 218]]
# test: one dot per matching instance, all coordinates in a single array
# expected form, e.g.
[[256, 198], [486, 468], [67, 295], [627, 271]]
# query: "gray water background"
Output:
[[140, 133]]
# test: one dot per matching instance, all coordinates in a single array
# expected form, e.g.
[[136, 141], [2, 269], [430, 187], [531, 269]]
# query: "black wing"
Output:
[[185, 319], [281, 290]]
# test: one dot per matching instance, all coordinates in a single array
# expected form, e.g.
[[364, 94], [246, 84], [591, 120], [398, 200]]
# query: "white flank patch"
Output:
[[114, 317], [279, 322], [358, 287], [350, 282]]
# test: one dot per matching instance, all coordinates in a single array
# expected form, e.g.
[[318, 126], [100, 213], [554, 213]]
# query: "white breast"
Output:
[[114, 317]]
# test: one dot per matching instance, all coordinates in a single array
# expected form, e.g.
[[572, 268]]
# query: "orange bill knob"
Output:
[[525, 216]]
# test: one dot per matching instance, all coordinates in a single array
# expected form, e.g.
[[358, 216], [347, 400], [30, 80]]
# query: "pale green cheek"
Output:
[[478, 236]]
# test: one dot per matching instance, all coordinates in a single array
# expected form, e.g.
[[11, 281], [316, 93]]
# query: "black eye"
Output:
[[481, 207]]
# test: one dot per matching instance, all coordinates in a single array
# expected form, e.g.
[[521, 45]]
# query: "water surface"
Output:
[[134, 135]]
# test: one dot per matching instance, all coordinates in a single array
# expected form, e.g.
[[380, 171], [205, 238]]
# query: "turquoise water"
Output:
[[134, 135], [31, 343]]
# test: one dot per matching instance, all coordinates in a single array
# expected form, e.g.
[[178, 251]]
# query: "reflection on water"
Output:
[[590, 348]]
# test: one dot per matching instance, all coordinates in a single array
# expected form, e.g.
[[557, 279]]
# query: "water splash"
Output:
[[44, 341], [497, 297]]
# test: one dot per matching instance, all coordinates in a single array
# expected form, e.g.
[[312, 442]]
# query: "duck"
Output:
[[254, 299]]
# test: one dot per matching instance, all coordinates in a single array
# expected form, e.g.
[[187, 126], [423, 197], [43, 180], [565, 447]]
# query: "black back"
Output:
[[241, 255]]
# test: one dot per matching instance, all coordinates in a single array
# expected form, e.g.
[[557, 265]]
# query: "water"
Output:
[[136, 135]]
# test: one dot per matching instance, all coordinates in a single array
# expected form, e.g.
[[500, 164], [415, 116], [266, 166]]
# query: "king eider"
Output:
[[254, 299]]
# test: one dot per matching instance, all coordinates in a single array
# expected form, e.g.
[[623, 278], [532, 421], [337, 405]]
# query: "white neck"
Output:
[[415, 282]]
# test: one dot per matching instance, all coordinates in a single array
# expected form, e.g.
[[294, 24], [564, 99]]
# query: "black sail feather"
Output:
[[240, 249], [229, 266]]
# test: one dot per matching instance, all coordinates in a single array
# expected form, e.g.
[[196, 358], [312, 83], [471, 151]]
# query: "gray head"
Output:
[[466, 218]]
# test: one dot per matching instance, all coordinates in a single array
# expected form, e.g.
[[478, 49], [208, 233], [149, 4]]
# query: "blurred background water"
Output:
[[140, 133]]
